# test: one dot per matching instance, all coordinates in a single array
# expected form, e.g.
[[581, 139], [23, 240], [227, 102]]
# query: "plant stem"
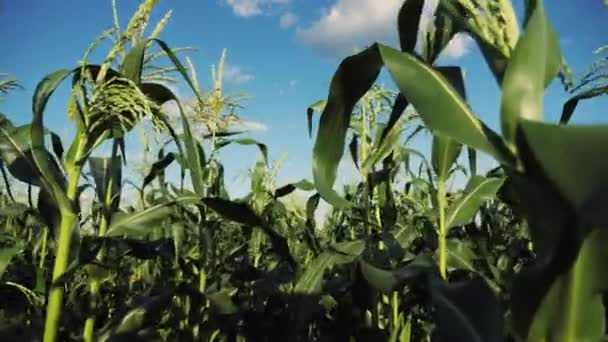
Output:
[[89, 324], [53, 311], [442, 228]]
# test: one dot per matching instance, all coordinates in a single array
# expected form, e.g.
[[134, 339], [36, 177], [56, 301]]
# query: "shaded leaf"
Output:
[[477, 191]]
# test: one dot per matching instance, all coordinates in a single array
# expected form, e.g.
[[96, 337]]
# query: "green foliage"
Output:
[[404, 254]]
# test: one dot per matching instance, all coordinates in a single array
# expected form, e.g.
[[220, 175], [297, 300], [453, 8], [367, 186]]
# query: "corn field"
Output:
[[517, 254]]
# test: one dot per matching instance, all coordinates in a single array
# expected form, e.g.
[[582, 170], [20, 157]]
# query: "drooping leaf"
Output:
[[246, 141], [43, 92], [478, 190], [319, 107], [234, 211], [285, 190], [311, 281], [354, 77], [140, 223], [353, 147], [570, 105], [57, 146], [6, 254], [158, 168]]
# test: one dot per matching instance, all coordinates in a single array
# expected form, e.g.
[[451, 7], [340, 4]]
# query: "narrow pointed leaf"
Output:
[[477, 191], [311, 281], [158, 168]]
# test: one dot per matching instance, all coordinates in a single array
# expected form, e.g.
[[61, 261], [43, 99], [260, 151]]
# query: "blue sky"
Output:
[[281, 52]]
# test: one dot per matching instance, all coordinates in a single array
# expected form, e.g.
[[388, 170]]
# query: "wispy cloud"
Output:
[[236, 75], [287, 20], [250, 8], [251, 126], [293, 83]]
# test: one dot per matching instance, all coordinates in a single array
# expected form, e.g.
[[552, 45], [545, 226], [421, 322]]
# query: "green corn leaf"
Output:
[[318, 107], [563, 152], [139, 223], [472, 156], [43, 92], [386, 147], [444, 153], [466, 311], [311, 206], [243, 214], [438, 103], [570, 105], [382, 280], [534, 63], [103, 173], [460, 255], [387, 281], [572, 309], [408, 22], [285, 190], [161, 94], [234, 211], [142, 222], [311, 281], [6, 254], [57, 146], [354, 77], [158, 168], [477, 191], [445, 150], [246, 141]]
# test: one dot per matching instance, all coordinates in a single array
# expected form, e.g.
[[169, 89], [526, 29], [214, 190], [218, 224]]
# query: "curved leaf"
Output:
[[319, 107], [563, 152], [477, 191], [158, 168], [141, 222], [311, 281], [438, 103], [535, 61], [466, 311], [246, 141], [573, 309]]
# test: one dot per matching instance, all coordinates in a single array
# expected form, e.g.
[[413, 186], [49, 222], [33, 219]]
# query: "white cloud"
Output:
[[293, 83], [250, 8], [251, 126], [352, 23], [236, 75], [287, 20], [458, 47]]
